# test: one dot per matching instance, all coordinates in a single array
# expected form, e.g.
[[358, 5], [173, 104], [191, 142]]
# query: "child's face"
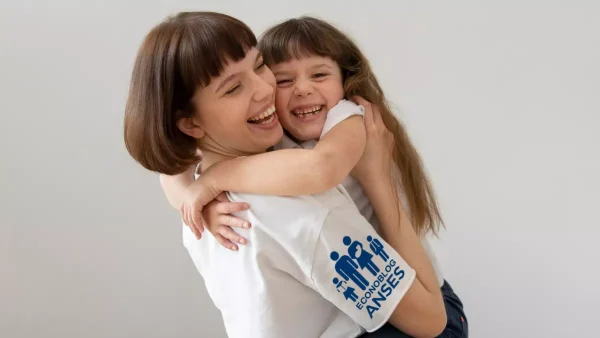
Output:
[[306, 89]]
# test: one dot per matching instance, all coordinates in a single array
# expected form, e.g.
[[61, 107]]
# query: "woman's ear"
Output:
[[191, 126]]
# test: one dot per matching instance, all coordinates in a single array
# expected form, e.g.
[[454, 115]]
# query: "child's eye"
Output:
[[233, 90], [283, 81]]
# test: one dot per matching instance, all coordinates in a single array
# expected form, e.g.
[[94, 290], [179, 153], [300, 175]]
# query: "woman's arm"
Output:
[[421, 312]]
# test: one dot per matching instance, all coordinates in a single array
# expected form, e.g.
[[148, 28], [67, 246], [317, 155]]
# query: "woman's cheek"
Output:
[[280, 101]]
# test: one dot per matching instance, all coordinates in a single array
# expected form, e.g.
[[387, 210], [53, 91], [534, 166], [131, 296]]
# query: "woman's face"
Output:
[[306, 89], [236, 111]]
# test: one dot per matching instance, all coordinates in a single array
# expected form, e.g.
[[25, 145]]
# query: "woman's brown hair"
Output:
[[306, 36], [177, 57]]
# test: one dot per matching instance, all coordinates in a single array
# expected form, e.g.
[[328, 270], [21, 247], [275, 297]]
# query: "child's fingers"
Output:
[[222, 197], [376, 114], [231, 235], [197, 227], [231, 207], [360, 101], [226, 242], [183, 215], [188, 221], [233, 221], [196, 217], [369, 119]]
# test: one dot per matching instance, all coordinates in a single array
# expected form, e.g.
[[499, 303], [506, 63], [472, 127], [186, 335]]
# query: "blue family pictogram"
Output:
[[348, 269], [354, 266], [364, 258], [377, 248], [348, 291]]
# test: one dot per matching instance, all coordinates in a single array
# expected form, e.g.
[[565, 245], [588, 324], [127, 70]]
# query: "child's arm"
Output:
[[294, 172], [289, 172], [218, 213], [284, 172], [174, 186]]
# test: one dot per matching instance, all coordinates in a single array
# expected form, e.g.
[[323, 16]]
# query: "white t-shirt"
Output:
[[313, 267], [353, 187]]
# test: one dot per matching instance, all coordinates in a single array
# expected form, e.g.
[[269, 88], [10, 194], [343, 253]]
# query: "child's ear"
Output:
[[191, 126]]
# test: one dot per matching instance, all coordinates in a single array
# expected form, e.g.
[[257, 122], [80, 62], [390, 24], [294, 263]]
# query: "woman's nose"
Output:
[[264, 90]]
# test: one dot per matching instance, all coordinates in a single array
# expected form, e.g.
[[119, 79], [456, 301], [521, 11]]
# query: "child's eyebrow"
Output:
[[321, 65], [286, 72]]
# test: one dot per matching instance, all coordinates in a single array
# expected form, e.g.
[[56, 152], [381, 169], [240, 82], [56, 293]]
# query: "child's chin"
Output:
[[313, 133]]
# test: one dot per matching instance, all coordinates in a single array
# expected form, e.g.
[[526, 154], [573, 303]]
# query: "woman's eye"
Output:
[[261, 66], [319, 75], [233, 90]]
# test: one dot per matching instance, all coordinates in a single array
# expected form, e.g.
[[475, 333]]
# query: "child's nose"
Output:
[[303, 88]]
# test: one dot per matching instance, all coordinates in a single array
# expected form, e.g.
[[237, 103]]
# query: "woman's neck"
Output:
[[212, 153], [210, 158]]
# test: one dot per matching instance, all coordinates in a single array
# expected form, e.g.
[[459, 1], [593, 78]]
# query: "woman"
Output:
[[199, 82]]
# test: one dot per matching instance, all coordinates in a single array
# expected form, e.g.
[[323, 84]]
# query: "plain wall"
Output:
[[501, 99]]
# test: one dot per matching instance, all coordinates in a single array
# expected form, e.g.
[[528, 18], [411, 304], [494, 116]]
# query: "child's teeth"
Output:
[[312, 110]]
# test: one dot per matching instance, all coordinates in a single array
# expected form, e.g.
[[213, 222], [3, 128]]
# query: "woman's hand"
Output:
[[377, 156], [218, 220]]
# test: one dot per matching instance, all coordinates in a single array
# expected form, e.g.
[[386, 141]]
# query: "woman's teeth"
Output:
[[308, 111], [265, 117]]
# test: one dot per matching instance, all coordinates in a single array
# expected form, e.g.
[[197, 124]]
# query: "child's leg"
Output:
[[386, 331], [457, 325]]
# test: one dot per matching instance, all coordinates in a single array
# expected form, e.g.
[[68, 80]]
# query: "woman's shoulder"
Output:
[[273, 209], [307, 211]]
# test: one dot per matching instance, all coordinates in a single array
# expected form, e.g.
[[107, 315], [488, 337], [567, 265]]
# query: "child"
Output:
[[316, 66]]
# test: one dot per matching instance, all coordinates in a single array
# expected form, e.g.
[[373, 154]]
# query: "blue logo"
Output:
[[356, 263]]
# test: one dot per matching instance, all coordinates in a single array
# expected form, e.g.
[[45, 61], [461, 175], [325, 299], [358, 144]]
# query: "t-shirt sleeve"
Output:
[[355, 269], [341, 111]]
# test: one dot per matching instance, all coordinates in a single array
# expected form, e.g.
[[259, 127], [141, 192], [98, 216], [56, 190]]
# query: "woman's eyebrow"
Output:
[[226, 81]]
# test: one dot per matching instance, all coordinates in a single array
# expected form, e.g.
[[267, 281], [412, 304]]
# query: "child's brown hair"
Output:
[[306, 36]]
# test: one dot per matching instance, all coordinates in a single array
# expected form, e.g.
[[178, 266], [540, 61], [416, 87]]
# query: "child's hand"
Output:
[[376, 158], [218, 220], [196, 196], [199, 194]]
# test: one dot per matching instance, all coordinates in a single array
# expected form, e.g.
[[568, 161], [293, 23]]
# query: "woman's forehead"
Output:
[[232, 69]]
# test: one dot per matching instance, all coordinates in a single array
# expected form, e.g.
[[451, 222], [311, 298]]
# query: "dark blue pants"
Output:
[[457, 326]]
